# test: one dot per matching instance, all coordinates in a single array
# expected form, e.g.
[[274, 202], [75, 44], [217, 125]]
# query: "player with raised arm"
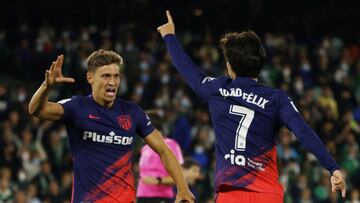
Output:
[[246, 117], [101, 130]]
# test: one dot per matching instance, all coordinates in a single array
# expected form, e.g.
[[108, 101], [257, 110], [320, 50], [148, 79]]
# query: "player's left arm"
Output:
[[290, 116], [157, 143], [166, 180], [193, 75]]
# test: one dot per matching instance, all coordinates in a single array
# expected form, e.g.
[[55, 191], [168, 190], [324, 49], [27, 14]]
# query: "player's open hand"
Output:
[[184, 197], [338, 182], [167, 28], [54, 74]]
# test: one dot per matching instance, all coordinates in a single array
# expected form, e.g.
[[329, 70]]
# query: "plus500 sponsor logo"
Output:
[[111, 138]]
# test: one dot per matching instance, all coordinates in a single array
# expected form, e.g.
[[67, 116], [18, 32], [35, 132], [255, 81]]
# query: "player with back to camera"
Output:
[[246, 117], [101, 130]]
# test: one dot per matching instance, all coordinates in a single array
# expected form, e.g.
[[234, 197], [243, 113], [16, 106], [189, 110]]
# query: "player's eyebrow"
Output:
[[105, 74], [109, 74]]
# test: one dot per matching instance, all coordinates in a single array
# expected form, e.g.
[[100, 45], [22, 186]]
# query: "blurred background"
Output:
[[313, 52]]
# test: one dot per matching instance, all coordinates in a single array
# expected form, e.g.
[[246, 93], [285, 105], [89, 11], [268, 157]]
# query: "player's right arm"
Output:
[[39, 105], [192, 74]]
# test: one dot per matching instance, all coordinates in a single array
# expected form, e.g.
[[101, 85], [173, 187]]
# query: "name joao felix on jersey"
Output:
[[248, 97]]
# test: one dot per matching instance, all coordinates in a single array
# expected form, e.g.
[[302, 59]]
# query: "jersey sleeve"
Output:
[[192, 74], [290, 117], [68, 105], [287, 109], [143, 123]]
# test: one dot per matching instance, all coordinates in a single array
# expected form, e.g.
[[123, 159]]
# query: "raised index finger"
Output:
[[170, 20], [58, 62]]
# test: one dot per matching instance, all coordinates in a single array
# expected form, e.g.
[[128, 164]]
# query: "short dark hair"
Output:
[[188, 163], [156, 120], [102, 58], [244, 52]]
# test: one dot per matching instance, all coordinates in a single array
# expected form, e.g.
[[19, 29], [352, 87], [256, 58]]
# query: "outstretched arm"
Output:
[[156, 142], [310, 141], [192, 74], [39, 105], [290, 116]]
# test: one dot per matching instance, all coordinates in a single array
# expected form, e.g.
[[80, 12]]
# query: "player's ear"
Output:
[[90, 77]]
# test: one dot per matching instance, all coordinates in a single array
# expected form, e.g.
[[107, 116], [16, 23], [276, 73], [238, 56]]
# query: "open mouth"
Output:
[[110, 91]]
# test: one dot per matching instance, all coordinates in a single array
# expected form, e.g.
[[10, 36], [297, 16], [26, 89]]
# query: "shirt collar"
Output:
[[244, 80]]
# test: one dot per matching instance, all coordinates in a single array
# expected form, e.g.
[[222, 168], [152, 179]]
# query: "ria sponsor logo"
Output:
[[111, 138], [235, 159], [241, 160]]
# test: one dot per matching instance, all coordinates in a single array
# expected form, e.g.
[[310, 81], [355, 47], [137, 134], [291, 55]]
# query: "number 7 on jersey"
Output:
[[247, 115]]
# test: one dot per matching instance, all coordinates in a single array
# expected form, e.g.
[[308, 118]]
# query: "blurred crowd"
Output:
[[322, 76]]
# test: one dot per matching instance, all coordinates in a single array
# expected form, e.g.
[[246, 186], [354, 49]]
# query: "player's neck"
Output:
[[102, 102], [235, 76]]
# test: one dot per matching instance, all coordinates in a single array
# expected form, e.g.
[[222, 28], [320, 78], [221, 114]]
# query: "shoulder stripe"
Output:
[[63, 101], [207, 79]]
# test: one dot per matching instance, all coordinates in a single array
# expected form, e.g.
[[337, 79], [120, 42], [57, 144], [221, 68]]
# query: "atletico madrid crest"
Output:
[[124, 122]]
